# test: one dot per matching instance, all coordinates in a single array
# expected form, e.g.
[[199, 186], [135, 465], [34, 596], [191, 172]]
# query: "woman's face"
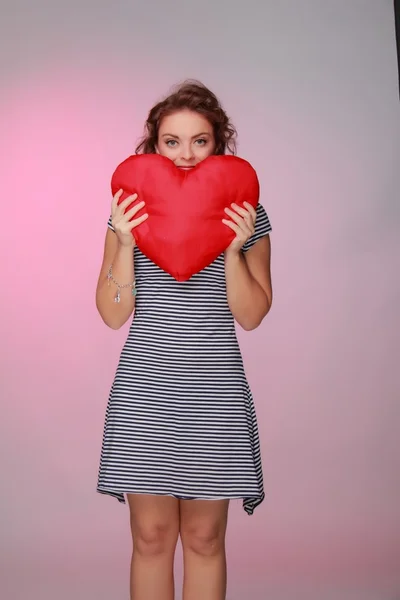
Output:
[[186, 138]]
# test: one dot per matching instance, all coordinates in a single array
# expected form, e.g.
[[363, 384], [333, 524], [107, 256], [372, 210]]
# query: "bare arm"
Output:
[[248, 283], [118, 252], [121, 257], [247, 274]]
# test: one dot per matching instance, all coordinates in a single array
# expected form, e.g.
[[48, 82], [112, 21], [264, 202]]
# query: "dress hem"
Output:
[[249, 503]]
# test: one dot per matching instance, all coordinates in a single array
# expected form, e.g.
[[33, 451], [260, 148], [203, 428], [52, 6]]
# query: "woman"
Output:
[[180, 437]]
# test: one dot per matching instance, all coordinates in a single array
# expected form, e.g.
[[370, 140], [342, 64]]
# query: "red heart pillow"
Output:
[[184, 232]]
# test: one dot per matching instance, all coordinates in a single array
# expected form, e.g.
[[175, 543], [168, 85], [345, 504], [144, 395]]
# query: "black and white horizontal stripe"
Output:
[[180, 418], [262, 227]]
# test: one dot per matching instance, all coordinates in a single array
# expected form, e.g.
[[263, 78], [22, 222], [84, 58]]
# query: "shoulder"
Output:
[[262, 227]]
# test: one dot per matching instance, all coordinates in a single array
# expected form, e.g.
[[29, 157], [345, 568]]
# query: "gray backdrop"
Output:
[[312, 88]]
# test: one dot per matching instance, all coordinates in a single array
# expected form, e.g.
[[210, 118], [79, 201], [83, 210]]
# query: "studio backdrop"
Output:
[[312, 88]]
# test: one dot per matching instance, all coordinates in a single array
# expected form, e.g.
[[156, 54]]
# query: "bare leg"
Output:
[[202, 529], [155, 530]]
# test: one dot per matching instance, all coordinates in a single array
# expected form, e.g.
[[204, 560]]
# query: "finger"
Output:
[[233, 226], [233, 215], [127, 201], [137, 221], [249, 221], [132, 212], [115, 199], [247, 229], [242, 211], [120, 209], [248, 215], [251, 210]]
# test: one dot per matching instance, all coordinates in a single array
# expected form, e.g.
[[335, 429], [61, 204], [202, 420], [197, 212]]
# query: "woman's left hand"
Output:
[[242, 221]]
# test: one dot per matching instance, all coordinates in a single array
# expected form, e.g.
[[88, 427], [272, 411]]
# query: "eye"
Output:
[[201, 141], [171, 143]]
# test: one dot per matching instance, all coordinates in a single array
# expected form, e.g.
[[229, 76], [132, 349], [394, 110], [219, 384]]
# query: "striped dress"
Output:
[[180, 418]]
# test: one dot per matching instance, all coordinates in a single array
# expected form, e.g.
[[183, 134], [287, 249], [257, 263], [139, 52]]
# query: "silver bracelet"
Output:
[[132, 285]]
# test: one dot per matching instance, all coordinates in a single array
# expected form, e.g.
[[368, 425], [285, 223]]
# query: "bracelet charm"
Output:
[[117, 297]]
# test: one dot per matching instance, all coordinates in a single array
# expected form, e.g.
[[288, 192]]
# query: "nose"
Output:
[[187, 153]]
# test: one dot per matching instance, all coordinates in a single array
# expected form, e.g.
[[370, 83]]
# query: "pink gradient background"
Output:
[[319, 120]]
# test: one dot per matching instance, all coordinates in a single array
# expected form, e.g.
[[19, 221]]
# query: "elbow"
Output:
[[112, 320], [250, 325], [251, 322], [112, 323], [115, 322]]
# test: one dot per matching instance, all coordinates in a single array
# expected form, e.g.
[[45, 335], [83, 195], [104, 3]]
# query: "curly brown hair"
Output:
[[195, 96]]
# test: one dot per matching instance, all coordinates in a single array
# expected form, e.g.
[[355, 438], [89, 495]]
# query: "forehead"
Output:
[[185, 122]]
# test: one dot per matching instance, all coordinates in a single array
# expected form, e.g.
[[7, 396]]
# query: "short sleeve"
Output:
[[262, 228], [109, 224]]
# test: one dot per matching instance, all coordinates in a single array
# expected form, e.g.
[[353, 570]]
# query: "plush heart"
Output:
[[184, 232]]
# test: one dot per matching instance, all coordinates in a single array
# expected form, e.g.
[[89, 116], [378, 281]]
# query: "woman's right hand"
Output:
[[121, 220]]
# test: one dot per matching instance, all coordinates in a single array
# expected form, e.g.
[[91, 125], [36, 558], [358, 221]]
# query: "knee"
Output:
[[154, 540], [203, 541]]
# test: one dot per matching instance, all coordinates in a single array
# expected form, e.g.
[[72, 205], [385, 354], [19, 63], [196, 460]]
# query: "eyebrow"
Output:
[[177, 137]]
